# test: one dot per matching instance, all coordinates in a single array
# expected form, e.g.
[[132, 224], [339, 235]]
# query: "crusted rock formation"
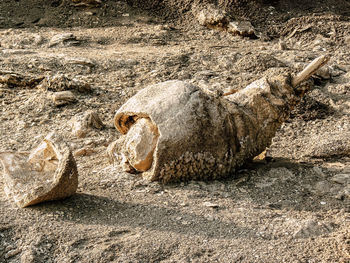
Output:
[[199, 136]]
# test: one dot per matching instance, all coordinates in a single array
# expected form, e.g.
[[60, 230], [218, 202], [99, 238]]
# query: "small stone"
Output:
[[13, 79], [93, 120], [85, 151], [113, 157], [209, 204], [12, 253], [63, 97], [323, 73], [282, 45], [82, 123], [242, 28], [341, 179], [65, 39], [212, 17], [319, 171]]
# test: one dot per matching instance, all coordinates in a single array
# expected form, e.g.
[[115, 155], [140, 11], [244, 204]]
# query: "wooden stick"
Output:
[[310, 69]]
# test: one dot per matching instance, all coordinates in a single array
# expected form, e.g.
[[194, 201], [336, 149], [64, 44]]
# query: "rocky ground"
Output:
[[291, 206]]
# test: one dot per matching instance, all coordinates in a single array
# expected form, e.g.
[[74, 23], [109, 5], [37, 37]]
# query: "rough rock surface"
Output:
[[224, 132], [48, 173]]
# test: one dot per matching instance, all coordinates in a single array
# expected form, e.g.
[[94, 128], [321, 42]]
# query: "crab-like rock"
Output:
[[176, 131]]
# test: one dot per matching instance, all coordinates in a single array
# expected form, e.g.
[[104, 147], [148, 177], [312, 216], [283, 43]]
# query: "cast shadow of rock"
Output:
[[289, 185], [90, 209]]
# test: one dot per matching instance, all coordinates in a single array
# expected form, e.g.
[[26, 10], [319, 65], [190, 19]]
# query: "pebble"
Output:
[[242, 28], [63, 39], [63, 97], [209, 204], [85, 151], [12, 253]]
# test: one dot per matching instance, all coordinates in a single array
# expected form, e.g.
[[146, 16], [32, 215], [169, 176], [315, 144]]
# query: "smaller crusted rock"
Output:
[[241, 28], [13, 79], [81, 124], [61, 82], [63, 97], [65, 39], [212, 17], [49, 172]]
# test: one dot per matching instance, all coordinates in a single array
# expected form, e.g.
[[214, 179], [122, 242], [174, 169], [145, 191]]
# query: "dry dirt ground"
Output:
[[293, 206]]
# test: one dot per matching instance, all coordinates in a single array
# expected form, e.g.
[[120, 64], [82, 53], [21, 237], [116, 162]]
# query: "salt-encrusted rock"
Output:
[[63, 97], [81, 124], [199, 136], [204, 137], [49, 172], [241, 28]]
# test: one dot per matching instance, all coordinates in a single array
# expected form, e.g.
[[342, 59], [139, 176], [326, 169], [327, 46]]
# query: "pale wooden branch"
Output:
[[310, 69], [303, 75]]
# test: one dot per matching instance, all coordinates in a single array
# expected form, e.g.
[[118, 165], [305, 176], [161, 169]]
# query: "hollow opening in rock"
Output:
[[44, 158]]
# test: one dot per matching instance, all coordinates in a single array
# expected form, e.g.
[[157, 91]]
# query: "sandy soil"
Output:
[[292, 206]]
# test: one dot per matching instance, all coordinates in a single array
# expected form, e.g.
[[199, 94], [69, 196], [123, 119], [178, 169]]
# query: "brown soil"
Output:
[[293, 206]]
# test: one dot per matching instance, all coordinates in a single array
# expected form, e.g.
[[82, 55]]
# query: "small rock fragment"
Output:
[[85, 151], [323, 73], [65, 39], [63, 97], [49, 172], [93, 120], [212, 17], [241, 28], [347, 40], [81, 124], [87, 3], [61, 82], [282, 45], [209, 204], [111, 152], [13, 79]]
